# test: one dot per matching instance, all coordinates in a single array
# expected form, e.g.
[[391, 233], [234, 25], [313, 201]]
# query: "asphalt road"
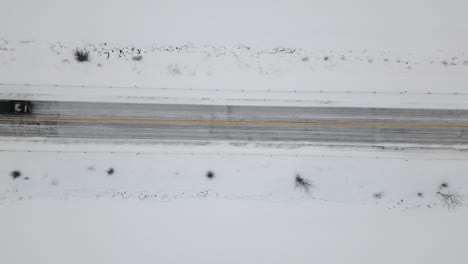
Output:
[[251, 123]]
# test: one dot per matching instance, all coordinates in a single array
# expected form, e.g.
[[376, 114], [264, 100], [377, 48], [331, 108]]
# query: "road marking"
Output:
[[226, 122]]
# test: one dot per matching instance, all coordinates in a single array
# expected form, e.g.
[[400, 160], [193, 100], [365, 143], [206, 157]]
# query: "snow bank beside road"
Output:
[[390, 179], [157, 204], [219, 97], [240, 74]]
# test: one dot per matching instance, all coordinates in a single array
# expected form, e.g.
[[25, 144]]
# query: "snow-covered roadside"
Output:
[[187, 96], [232, 67], [399, 151], [158, 205], [209, 74], [392, 178]]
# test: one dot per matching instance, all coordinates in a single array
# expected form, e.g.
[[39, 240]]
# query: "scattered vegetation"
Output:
[[451, 200], [326, 58], [420, 194], [81, 55], [210, 175], [110, 171], [303, 184], [378, 195], [443, 185], [15, 174]]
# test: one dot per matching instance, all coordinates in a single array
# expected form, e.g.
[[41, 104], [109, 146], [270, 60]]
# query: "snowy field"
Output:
[[239, 75], [109, 201], [306, 57], [163, 172], [229, 231], [126, 203]]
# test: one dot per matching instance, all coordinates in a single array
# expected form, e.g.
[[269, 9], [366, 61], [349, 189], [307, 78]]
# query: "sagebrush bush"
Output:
[[303, 184], [450, 199], [15, 174], [137, 58], [81, 55], [378, 195], [210, 175]]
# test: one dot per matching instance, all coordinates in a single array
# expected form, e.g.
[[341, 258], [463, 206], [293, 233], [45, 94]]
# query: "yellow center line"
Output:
[[227, 122]]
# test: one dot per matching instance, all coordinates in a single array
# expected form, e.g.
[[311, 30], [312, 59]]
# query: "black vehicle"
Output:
[[16, 107]]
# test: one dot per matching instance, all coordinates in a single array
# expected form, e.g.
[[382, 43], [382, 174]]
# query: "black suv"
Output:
[[16, 107]]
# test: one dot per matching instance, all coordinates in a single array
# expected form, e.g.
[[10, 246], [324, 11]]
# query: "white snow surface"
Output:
[[163, 171], [227, 231], [233, 74], [296, 52], [158, 206], [399, 24]]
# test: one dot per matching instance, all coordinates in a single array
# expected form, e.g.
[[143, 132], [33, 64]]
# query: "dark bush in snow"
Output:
[[378, 195], [210, 175], [110, 171], [81, 55], [303, 184], [137, 58], [15, 174], [443, 185], [451, 200], [420, 194]]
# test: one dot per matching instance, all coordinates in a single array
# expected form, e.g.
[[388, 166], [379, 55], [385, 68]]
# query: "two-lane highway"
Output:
[[250, 123]]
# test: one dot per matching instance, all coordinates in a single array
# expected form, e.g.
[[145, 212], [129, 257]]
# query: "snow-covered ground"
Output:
[[239, 74], [163, 172], [310, 52], [228, 231], [116, 202], [234, 67], [365, 205]]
